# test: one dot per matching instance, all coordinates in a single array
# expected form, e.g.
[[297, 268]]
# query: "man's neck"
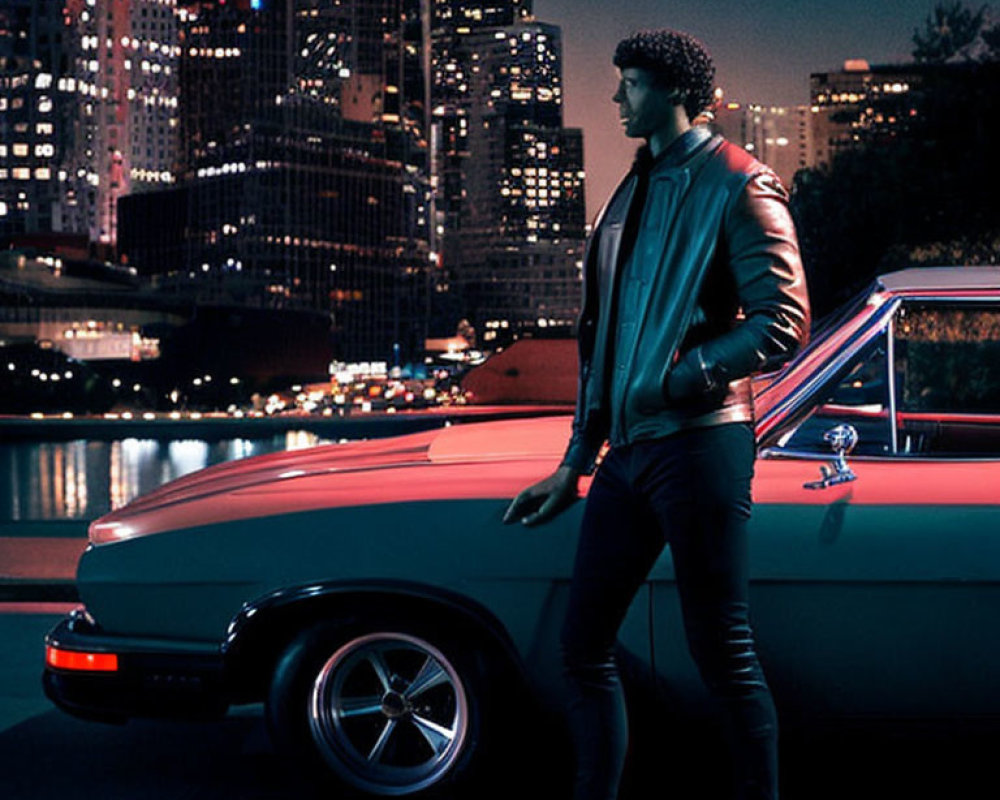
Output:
[[662, 138]]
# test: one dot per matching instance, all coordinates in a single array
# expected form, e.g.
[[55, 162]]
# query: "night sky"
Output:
[[764, 51]]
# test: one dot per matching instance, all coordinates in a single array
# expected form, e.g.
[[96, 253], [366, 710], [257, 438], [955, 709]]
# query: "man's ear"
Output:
[[677, 97]]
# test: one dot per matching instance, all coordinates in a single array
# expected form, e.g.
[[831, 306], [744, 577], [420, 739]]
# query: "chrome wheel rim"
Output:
[[389, 713]]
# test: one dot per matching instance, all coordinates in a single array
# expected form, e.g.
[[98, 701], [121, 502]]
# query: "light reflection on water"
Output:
[[84, 479]]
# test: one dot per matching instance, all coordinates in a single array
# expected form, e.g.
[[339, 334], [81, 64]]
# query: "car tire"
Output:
[[381, 709]]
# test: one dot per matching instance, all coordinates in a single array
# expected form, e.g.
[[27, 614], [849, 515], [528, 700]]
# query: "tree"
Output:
[[947, 29], [992, 38], [926, 195]]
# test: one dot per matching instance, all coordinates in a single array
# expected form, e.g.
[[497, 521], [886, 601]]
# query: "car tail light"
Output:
[[80, 661]]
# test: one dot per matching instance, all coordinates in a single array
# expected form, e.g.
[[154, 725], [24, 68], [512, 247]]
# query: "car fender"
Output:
[[264, 627]]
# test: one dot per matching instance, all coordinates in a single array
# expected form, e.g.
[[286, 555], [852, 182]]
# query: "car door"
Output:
[[878, 595]]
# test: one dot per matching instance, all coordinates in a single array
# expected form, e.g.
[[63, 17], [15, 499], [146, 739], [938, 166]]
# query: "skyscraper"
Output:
[[37, 110], [124, 55], [512, 176], [780, 136], [304, 166], [862, 104], [89, 102]]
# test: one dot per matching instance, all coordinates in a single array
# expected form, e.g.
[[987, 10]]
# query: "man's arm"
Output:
[[587, 435], [765, 264], [586, 439], [545, 499]]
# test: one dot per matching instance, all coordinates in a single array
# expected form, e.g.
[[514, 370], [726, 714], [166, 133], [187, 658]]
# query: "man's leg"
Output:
[[704, 513], [619, 541]]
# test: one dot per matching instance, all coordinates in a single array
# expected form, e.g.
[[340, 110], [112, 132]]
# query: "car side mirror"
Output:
[[842, 440]]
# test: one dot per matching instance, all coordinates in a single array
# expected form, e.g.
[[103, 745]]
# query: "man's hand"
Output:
[[544, 500]]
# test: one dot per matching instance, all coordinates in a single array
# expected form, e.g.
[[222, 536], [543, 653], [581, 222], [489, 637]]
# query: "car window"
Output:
[[859, 396], [948, 379]]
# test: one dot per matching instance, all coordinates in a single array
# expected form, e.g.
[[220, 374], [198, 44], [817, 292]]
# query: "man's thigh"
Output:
[[620, 540], [703, 509]]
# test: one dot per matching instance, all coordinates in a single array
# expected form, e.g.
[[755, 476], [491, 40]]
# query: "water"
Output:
[[81, 480]]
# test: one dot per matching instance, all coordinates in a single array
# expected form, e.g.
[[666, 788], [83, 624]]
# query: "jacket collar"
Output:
[[675, 154]]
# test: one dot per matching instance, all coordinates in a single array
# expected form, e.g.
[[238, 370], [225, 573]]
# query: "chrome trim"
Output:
[[775, 417], [257, 611], [937, 298], [798, 396], [705, 373], [403, 700], [942, 278], [843, 439], [890, 368], [772, 452]]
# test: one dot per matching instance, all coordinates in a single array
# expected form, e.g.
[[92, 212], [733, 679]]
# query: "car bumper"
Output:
[[94, 675]]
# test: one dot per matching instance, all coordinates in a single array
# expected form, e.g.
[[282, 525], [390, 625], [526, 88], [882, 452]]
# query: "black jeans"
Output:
[[690, 490]]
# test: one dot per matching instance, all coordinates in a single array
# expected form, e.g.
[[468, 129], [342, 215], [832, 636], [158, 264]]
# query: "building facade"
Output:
[[124, 56], [862, 104], [779, 136], [304, 172], [511, 186], [37, 114]]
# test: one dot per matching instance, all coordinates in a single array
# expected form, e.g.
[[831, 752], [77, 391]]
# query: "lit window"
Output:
[[20, 149], [43, 174]]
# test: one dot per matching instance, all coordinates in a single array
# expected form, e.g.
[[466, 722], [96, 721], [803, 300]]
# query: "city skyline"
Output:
[[764, 53], [294, 165]]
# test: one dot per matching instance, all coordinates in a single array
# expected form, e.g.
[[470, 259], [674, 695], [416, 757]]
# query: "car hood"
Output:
[[469, 460]]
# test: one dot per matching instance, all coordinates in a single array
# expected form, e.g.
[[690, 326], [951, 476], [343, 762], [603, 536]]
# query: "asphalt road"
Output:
[[45, 754]]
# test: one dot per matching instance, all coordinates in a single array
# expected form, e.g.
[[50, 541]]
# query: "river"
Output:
[[81, 479]]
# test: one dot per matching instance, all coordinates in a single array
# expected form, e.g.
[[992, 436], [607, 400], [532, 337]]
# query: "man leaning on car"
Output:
[[692, 282]]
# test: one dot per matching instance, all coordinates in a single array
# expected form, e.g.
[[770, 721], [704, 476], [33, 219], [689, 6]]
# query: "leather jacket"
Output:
[[727, 298]]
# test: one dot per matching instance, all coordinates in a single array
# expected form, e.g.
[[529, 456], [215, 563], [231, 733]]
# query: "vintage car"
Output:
[[369, 595]]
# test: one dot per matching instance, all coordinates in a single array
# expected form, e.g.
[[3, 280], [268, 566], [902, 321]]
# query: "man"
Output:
[[692, 282]]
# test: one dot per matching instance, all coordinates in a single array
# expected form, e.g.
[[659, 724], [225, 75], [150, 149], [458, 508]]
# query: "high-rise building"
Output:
[[512, 176], [304, 178], [862, 104], [452, 71], [89, 109], [779, 136], [125, 56], [37, 109]]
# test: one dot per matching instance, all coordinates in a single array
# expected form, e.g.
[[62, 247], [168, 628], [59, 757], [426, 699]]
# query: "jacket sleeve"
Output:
[[588, 435], [764, 260]]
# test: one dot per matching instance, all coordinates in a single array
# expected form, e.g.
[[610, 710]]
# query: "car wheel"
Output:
[[381, 709]]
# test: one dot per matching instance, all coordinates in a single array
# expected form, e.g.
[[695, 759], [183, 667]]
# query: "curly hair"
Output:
[[676, 60]]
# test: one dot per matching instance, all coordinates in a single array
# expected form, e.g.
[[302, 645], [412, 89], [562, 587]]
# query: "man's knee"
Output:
[[588, 663], [727, 660]]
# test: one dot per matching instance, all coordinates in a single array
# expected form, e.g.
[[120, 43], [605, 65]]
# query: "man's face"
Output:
[[643, 105]]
